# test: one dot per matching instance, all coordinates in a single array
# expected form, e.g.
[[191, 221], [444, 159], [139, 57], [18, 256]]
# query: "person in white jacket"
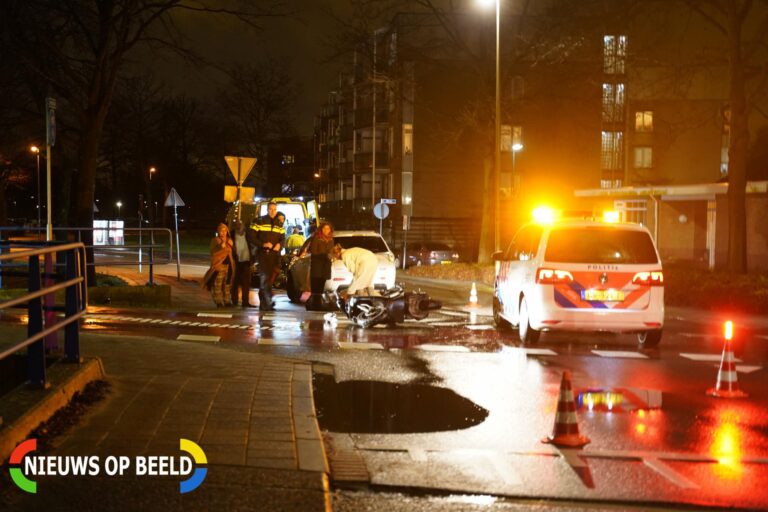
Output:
[[363, 264]]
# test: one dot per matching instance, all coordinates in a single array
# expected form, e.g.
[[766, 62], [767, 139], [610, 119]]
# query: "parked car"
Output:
[[341, 277], [581, 275], [430, 253]]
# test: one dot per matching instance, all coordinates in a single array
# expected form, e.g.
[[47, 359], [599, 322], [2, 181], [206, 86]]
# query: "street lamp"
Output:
[[497, 134], [152, 170], [36, 151], [119, 205]]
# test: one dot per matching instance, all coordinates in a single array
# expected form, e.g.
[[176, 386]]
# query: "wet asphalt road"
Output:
[[662, 441]]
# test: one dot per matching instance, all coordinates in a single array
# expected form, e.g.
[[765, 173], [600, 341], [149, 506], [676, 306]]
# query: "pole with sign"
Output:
[[240, 167], [175, 200], [50, 141]]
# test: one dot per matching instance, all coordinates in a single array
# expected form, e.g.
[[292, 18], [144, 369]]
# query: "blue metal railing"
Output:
[[67, 275]]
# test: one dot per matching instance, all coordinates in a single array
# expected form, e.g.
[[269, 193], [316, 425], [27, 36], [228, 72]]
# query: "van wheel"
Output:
[[527, 333], [294, 295], [649, 339], [497, 319]]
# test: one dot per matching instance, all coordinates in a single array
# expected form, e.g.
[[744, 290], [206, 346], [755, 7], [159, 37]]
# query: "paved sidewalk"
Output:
[[252, 414]]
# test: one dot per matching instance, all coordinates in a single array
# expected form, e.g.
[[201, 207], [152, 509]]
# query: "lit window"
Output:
[[614, 54], [644, 121], [612, 150], [288, 159], [407, 138], [613, 103], [725, 143], [643, 157]]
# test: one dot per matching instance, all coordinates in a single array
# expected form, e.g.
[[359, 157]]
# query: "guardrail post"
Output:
[[71, 307], [52, 340], [1, 263], [151, 257], [35, 351]]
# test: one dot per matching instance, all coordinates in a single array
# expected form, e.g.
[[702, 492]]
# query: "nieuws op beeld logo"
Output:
[[25, 466]]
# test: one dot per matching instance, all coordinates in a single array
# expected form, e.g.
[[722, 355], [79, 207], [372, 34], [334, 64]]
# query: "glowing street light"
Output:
[[119, 205], [36, 151], [497, 131], [152, 171]]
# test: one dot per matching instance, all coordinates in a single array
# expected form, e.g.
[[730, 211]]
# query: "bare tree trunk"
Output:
[[486, 248], [737, 152]]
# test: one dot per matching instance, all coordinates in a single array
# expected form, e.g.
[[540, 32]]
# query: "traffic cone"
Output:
[[473, 296], [566, 430], [727, 385]]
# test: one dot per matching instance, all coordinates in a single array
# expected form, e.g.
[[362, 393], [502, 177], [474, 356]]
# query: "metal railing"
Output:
[[67, 275], [112, 252]]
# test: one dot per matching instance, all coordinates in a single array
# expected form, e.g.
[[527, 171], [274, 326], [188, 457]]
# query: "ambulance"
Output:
[[576, 274]]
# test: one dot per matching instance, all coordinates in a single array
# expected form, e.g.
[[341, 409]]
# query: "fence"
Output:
[[67, 275], [108, 248]]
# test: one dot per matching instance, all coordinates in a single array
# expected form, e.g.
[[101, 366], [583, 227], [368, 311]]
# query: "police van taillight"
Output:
[[655, 278], [552, 276]]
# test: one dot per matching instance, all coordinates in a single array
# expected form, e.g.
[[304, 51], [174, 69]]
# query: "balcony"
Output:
[[364, 116], [363, 161]]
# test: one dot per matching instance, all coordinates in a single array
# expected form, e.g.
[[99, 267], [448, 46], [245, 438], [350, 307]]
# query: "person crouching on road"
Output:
[[269, 239], [242, 255], [220, 276], [363, 264], [320, 246]]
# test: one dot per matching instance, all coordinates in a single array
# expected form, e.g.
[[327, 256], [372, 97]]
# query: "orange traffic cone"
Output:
[[727, 385], [566, 430], [473, 297]]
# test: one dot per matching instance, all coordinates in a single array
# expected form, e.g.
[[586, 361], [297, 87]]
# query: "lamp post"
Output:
[[36, 151], [497, 135], [119, 205]]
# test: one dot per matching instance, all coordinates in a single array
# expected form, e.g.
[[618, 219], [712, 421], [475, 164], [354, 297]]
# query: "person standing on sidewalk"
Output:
[[221, 274], [320, 247], [363, 265], [269, 239], [242, 254]]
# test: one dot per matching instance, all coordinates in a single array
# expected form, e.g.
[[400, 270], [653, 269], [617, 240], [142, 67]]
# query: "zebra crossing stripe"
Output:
[[287, 343], [197, 337], [619, 354], [442, 348], [705, 357], [215, 315], [453, 313], [348, 345], [480, 327]]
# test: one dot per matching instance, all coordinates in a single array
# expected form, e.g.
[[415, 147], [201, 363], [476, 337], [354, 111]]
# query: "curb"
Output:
[[13, 433], [310, 450]]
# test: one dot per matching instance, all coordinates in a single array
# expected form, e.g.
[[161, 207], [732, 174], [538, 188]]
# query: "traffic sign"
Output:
[[173, 199], [381, 210], [240, 167], [388, 201], [246, 194]]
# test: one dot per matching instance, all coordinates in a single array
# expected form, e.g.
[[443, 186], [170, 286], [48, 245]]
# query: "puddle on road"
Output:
[[617, 399], [373, 407]]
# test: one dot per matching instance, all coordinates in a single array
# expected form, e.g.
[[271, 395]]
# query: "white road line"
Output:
[[287, 343], [215, 315], [452, 313], [442, 348], [538, 351], [746, 369], [698, 335], [482, 327], [360, 345], [620, 353], [244, 326], [446, 324], [175, 322], [197, 337], [668, 473], [705, 357]]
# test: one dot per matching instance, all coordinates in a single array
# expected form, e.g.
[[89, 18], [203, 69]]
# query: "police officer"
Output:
[[269, 238]]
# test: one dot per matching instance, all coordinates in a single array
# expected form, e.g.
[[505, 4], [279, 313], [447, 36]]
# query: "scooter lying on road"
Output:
[[391, 307]]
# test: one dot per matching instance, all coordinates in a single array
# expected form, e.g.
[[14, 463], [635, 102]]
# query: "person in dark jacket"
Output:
[[269, 239], [242, 253], [320, 247]]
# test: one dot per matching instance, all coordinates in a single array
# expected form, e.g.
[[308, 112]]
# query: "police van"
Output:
[[563, 274]]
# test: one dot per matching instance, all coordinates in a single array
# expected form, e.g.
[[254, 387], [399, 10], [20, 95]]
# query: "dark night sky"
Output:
[[301, 40]]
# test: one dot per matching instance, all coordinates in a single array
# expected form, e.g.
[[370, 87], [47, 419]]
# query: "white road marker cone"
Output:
[[727, 385], [473, 296]]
